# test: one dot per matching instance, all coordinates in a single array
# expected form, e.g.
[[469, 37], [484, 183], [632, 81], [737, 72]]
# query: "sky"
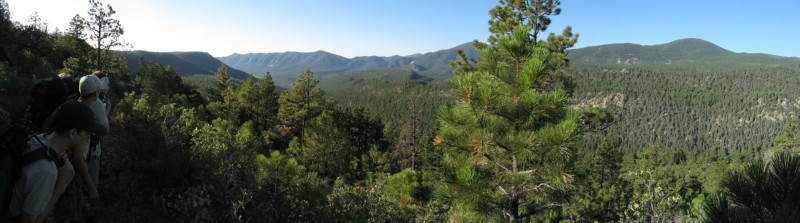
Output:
[[353, 28]]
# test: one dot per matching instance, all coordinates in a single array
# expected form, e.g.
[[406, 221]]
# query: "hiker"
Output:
[[101, 108], [69, 206], [42, 182]]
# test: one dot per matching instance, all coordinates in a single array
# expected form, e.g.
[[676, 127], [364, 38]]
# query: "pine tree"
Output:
[[507, 139], [406, 150], [76, 26], [534, 14], [221, 84], [264, 103], [760, 192], [298, 105], [104, 30], [221, 96], [243, 102], [326, 148], [76, 52], [256, 101]]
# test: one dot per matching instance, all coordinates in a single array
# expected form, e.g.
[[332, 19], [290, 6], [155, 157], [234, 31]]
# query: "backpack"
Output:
[[46, 96], [14, 139]]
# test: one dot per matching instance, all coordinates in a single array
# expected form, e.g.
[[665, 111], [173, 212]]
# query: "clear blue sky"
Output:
[[401, 27]]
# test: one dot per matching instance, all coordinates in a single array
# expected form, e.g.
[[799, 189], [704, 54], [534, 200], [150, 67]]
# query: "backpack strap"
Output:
[[43, 152]]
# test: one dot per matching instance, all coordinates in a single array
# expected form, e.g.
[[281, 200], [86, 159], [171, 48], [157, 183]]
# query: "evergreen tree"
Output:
[[161, 83], [222, 84], [326, 149], [406, 149], [117, 67], [104, 31], [789, 140], [243, 100], [659, 183], [222, 101], [601, 191], [76, 54], [337, 143], [507, 137], [760, 192], [259, 102], [298, 105], [76, 27], [534, 14], [285, 191]]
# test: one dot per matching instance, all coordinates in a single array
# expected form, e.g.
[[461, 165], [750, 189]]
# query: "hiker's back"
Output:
[[38, 173], [19, 153]]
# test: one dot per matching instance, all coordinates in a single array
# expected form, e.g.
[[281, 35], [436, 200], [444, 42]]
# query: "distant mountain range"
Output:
[[679, 51], [284, 67], [186, 63]]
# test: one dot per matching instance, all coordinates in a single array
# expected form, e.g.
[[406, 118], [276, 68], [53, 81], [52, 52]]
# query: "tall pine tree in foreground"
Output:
[[300, 104], [506, 140]]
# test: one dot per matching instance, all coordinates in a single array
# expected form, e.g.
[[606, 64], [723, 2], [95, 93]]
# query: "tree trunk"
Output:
[[99, 46]]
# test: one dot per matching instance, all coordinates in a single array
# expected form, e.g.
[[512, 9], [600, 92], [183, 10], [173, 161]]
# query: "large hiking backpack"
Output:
[[46, 96], [13, 142]]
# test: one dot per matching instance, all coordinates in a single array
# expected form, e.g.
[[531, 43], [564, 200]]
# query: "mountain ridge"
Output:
[[688, 50], [285, 66], [435, 64], [185, 62]]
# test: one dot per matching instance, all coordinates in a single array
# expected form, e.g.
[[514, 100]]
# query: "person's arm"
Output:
[[108, 105], [82, 169], [65, 175], [101, 114]]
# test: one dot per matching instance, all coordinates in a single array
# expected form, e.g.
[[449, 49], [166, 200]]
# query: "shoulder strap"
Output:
[[43, 152]]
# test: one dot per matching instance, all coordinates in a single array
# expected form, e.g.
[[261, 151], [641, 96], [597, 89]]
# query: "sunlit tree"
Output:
[[104, 30]]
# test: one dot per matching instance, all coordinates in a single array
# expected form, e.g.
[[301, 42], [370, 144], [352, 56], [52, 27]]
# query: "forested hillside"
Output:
[[394, 95], [515, 129], [185, 63], [692, 106], [689, 52]]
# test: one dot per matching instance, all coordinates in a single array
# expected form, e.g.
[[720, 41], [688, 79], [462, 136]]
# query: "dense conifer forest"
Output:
[[524, 132]]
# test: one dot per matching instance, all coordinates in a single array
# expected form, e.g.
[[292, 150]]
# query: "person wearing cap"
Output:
[[69, 206], [42, 182], [101, 108], [105, 85]]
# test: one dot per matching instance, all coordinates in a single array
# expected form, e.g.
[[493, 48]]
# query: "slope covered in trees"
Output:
[[186, 63], [693, 107], [391, 94], [681, 52]]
